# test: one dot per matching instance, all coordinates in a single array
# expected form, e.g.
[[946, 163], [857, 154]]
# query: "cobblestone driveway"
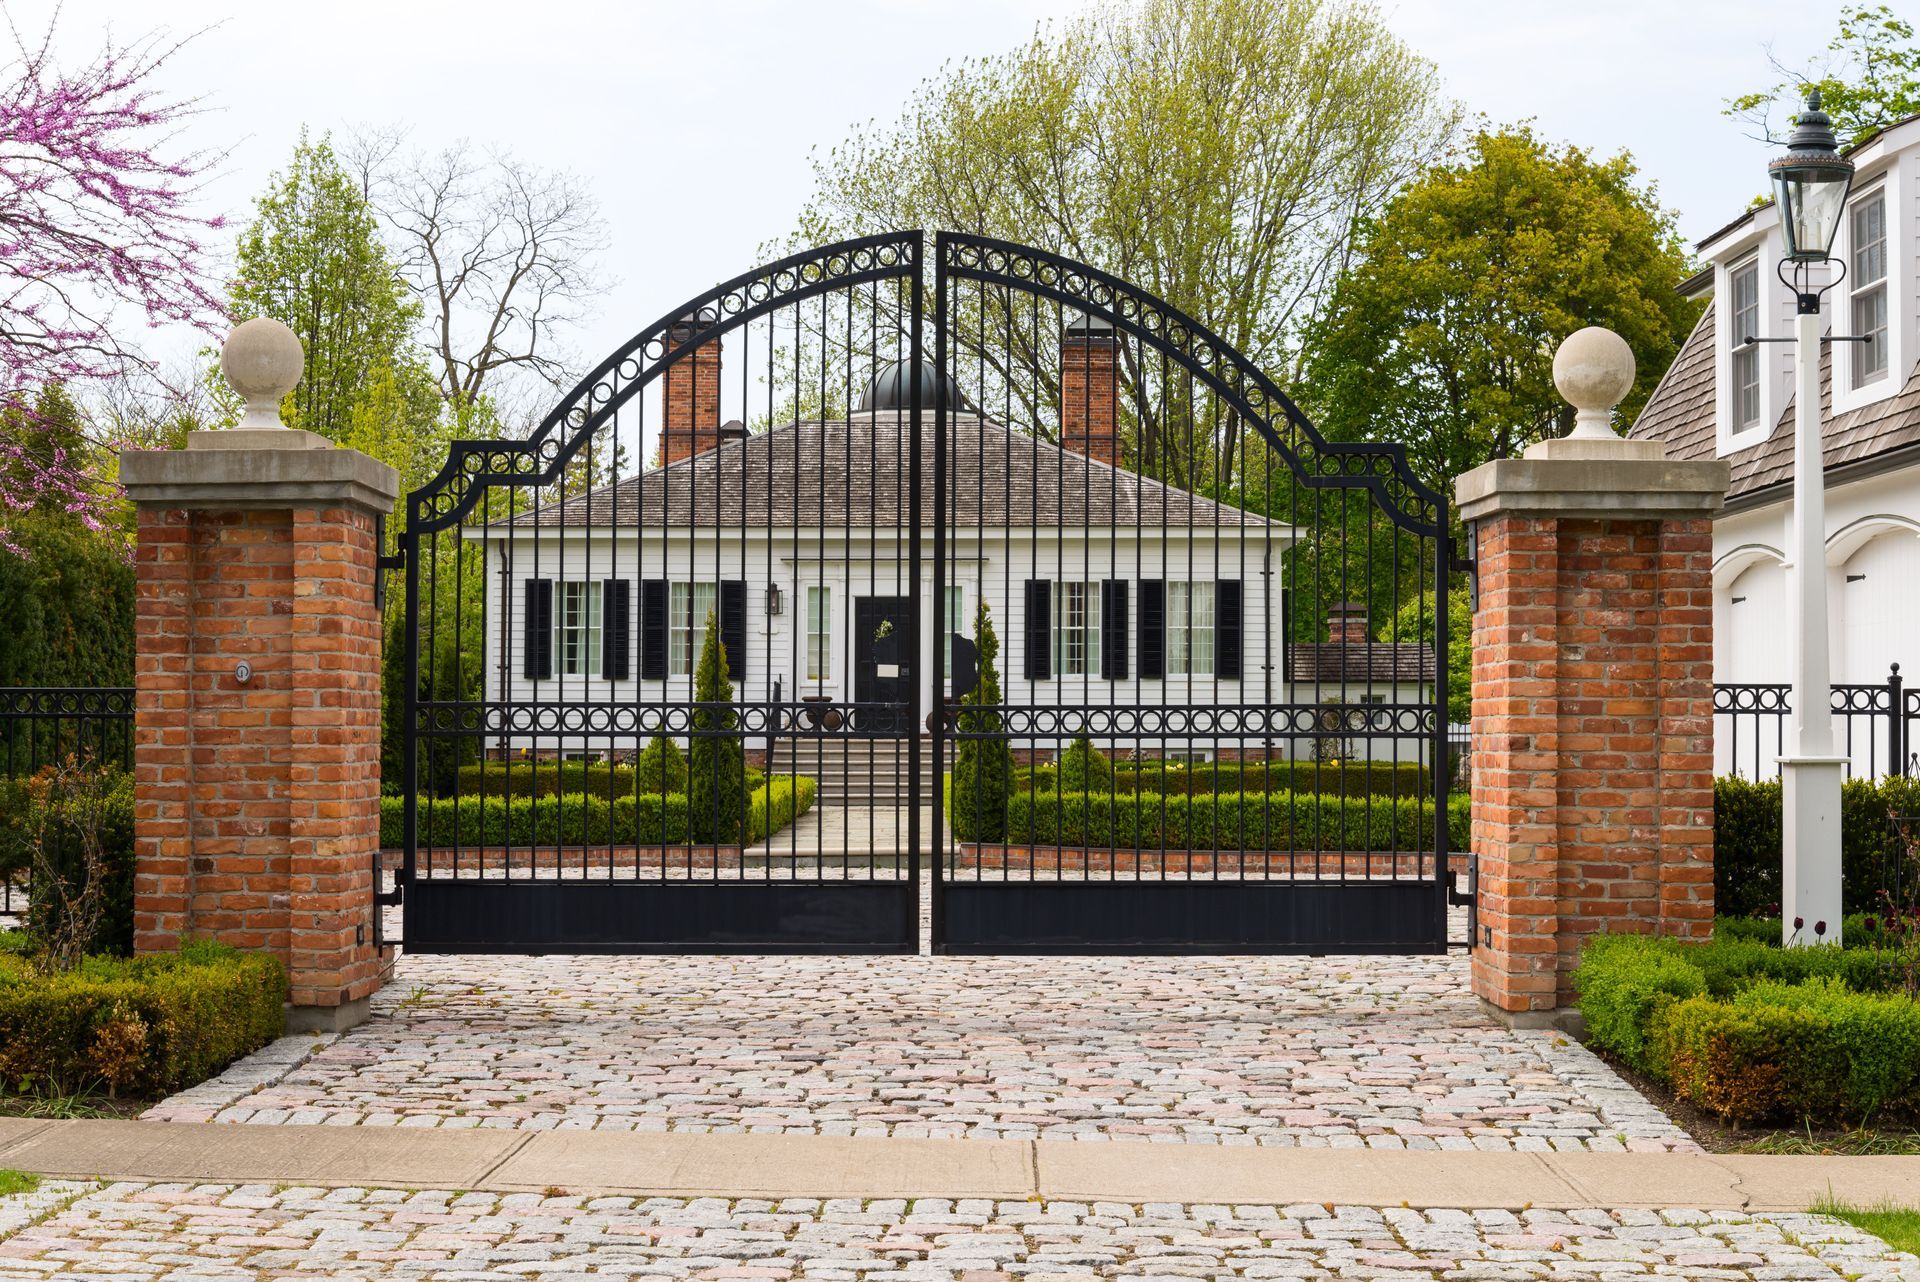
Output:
[[132, 1230], [1387, 1052]]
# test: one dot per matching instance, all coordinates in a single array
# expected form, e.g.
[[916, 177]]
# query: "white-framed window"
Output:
[[1743, 319], [1076, 629], [956, 600], [579, 628], [819, 634], [1189, 629], [687, 608], [1867, 280]]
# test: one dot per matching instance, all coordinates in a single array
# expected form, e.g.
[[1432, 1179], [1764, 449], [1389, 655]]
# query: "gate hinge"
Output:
[[397, 560], [390, 898]]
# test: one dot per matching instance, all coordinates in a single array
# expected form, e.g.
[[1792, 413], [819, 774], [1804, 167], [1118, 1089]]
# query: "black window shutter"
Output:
[[653, 629], [1226, 629], [733, 626], [1153, 629], [536, 624], [616, 631], [1039, 625], [1113, 629]]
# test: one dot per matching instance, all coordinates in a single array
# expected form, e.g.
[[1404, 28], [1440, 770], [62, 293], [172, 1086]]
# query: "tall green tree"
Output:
[[313, 259], [1218, 153], [66, 604], [1868, 77], [1441, 336]]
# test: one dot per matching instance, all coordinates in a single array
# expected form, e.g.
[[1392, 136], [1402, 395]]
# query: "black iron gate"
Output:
[[707, 662]]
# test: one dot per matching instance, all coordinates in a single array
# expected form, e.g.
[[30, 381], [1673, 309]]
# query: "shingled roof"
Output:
[[1351, 662], [1681, 413], [854, 474]]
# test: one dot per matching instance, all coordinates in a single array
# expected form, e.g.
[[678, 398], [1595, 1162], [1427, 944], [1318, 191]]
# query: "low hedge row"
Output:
[[550, 778], [1349, 778], [1746, 842], [783, 799], [145, 1026], [650, 819], [1754, 1032], [1230, 821]]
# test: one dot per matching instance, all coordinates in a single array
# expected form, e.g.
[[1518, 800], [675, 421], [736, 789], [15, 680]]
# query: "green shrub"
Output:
[[1747, 850], [661, 767], [1621, 981], [1335, 778], [1814, 1051], [717, 766], [646, 820], [19, 818], [1084, 768], [147, 1026], [1228, 821], [982, 778], [548, 778], [778, 802], [1753, 1031]]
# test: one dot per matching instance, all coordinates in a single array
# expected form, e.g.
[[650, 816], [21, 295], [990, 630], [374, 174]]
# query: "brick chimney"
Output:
[[691, 399], [1090, 389], [1347, 624]]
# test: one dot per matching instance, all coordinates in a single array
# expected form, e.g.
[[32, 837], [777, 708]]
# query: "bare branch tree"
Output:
[[503, 255]]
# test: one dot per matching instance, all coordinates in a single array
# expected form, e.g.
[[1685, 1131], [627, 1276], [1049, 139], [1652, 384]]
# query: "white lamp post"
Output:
[[1811, 182]]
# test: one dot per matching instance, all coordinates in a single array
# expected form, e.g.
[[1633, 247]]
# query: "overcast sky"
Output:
[[693, 120]]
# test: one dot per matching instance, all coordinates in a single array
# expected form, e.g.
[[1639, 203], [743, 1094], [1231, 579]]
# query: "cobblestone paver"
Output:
[[1387, 1052], [174, 1231]]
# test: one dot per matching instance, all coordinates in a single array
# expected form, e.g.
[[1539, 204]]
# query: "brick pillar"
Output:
[[1090, 390], [1592, 706], [257, 811], [690, 397]]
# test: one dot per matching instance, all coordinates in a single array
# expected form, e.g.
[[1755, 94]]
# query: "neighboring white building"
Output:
[[1725, 398], [1107, 589]]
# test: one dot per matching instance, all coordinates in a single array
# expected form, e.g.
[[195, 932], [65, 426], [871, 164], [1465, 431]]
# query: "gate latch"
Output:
[[384, 563]]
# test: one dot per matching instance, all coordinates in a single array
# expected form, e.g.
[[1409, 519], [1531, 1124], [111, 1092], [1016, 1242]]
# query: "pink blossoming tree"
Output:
[[97, 225]]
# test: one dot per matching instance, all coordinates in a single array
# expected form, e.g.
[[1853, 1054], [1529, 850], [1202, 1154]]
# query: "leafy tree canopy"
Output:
[[1218, 153], [1442, 335], [1868, 78]]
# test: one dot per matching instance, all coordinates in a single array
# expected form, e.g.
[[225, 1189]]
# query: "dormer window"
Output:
[[1868, 282], [1743, 297]]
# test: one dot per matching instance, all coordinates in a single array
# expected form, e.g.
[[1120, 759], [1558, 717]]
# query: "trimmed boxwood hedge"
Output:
[[650, 819], [145, 1026], [1755, 1032], [1349, 778], [548, 778], [783, 799], [1746, 842], [1230, 821]]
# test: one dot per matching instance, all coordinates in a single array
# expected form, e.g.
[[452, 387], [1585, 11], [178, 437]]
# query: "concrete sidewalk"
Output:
[[676, 1164]]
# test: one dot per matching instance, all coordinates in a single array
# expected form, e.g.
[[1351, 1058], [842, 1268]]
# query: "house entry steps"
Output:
[[869, 454]]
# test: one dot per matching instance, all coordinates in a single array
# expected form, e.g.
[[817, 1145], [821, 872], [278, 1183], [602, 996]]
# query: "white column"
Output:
[[1810, 773]]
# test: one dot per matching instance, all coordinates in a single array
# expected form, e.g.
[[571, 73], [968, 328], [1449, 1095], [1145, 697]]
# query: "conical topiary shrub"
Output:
[[717, 764], [982, 768]]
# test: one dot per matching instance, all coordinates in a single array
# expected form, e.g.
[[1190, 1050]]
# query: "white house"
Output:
[[1108, 590], [1727, 398]]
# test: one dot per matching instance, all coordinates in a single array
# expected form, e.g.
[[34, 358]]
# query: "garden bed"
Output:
[[1819, 1039], [575, 820], [139, 1028]]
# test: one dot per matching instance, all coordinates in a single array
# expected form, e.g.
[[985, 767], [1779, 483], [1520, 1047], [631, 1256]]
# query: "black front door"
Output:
[[882, 667]]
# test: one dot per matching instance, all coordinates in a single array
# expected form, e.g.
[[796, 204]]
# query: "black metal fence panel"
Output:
[[1873, 726]]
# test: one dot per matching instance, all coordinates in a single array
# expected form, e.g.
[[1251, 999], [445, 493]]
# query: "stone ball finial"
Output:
[[263, 362], [1594, 371]]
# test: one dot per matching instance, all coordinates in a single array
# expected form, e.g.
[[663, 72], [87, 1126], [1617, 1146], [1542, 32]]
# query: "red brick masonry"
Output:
[[1593, 734], [258, 809]]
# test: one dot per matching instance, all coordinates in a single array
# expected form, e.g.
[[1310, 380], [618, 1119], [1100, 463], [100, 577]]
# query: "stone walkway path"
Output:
[[1383, 1052], [134, 1230]]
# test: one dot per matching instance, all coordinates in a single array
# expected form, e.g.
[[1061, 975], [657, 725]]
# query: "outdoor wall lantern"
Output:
[[773, 598]]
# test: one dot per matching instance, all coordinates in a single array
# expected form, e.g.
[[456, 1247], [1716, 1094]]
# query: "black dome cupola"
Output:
[[892, 389]]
